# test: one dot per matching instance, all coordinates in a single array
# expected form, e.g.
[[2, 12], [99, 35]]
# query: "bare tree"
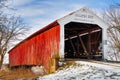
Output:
[[112, 17], [11, 29]]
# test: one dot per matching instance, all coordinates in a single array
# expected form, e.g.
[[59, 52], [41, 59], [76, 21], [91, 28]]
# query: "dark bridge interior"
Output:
[[83, 41]]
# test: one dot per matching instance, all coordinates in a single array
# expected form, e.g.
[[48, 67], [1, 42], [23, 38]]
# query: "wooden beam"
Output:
[[70, 29], [89, 30], [99, 35], [72, 46], [83, 45], [92, 30], [78, 46], [97, 44], [82, 34], [89, 44], [94, 42]]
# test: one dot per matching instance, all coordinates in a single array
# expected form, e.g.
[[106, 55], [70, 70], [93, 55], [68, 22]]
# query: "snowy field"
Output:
[[85, 71]]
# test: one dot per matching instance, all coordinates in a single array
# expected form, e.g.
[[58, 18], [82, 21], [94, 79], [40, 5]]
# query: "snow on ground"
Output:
[[106, 66], [85, 71], [6, 59]]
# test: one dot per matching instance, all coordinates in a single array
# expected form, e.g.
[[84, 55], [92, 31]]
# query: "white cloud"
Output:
[[40, 22], [47, 2], [30, 12], [20, 2], [77, 6]]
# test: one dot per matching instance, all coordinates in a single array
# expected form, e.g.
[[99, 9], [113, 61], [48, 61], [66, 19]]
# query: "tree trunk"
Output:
[[1, 61]]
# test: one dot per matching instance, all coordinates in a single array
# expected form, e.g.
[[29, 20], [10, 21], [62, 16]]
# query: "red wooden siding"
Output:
[[37, 50]]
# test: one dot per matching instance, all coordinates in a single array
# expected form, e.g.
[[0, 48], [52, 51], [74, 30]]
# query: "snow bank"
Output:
[[101, 66], [84, 71], [6, 59], [38, 70]]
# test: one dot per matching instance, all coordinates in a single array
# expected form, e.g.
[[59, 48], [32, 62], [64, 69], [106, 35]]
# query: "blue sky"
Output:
[[38, 13]]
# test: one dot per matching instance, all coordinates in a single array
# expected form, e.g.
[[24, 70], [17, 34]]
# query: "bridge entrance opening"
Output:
[[83, 41]]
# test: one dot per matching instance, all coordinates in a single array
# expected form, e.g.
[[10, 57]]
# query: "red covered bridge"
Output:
[[38, 48], [77, 35]]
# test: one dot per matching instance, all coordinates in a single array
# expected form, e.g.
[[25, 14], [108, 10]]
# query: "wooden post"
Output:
[[72, 46], [78, 47], [89, 44], [99, 35], [53, 65], [85, 50], [97, 43]]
